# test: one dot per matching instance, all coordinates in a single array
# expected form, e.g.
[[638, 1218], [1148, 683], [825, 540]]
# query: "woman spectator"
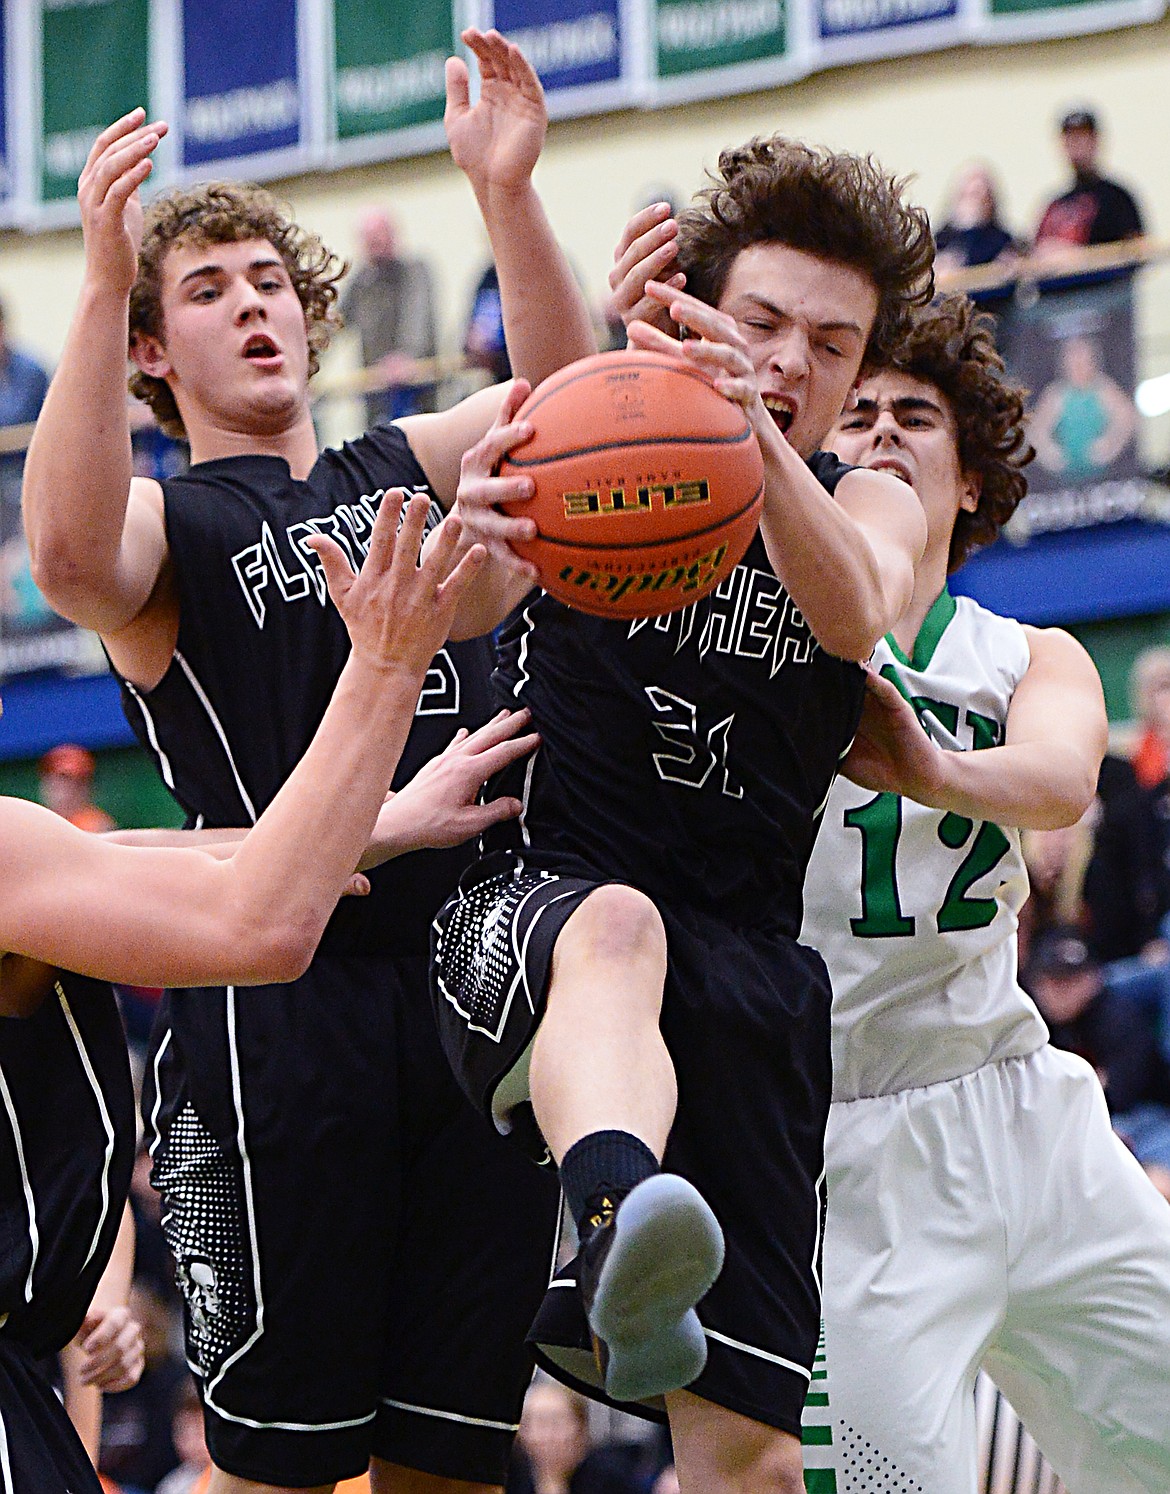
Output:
[[553, 1449]]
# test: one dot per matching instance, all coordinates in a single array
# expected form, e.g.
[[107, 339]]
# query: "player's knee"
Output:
[[619, 925]]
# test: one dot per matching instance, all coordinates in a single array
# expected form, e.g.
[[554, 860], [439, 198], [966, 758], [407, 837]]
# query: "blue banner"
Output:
[[570, 43], [242, 95], [840, 18]]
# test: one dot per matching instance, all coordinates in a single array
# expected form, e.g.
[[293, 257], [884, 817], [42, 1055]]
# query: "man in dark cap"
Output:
[[1115, 1016], [1094, 210]]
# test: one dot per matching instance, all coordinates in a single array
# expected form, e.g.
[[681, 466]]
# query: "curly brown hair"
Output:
[[951, 345], [840, 207], [227, 213]]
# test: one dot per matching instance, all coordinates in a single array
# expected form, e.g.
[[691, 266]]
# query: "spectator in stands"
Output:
[[190, 1443], [1094, 209], [483, 341], [973, 232], [1122, 885], [390, 302], [1056, 862], [66, 787], [23, 381], [1115, 1017], [554, 1452], [137, 1446], [1149, 684]]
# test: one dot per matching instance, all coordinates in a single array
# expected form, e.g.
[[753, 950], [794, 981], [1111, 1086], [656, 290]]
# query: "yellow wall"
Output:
[[923, 115]]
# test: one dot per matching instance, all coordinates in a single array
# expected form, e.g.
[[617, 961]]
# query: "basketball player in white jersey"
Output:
[[981, 1211]]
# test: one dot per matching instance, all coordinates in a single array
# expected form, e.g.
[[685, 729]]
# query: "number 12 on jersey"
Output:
[[879, 822]]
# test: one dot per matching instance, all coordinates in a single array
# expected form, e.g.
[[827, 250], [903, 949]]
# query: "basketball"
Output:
[[649, 484]]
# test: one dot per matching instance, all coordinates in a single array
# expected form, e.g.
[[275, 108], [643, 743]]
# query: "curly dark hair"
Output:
[[227, 213], [841, 207], [951, 345]]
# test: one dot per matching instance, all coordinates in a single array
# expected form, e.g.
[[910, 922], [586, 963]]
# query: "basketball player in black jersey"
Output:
[[356, 1294], [248, 910], [638, 930]]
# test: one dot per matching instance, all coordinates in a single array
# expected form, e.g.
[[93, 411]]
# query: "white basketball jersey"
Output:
[[915, 909]]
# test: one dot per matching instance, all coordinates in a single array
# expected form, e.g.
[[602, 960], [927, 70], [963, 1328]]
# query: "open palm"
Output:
[[497, 141]]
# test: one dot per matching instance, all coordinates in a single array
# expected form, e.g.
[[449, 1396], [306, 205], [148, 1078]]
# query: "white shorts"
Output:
[[994, 1220]]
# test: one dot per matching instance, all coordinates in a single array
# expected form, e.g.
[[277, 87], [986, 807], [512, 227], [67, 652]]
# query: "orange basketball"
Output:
[[649, 484]]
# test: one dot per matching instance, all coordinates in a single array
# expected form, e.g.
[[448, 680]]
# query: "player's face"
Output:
[[235, 347], [806, 322], [906, 426]]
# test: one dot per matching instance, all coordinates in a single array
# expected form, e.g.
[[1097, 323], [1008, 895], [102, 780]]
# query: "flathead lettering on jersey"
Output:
[[283, 559], [748, 615]]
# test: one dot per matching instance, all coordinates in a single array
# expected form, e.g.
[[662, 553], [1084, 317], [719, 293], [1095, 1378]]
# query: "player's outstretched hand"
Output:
[[891, 751], [113, 1352], [496, 142], [480, 489], [107, 194], [712, 344], [647, 250], [398, 610], [439, 806]]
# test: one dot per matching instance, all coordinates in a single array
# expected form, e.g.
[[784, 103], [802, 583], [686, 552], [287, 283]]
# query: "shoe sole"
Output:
[[667, 1251]]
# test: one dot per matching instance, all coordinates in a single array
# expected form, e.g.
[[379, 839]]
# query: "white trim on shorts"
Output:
[[466, 1421]]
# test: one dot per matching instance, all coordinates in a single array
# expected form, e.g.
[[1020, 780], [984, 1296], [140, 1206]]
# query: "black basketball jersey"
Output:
[[66, 1153], [260, 649], [689, 754]]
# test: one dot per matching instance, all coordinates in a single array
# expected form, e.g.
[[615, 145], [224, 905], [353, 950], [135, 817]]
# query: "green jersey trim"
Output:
[[934, 625]]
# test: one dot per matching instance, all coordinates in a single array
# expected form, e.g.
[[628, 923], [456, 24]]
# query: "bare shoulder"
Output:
[[1053, 651]]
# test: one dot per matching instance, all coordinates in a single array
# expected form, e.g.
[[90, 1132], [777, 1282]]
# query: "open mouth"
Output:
[[782, 411], [894, 468], [260, 346]]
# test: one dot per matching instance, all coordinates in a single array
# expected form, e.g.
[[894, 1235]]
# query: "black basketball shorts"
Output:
[[40, 1453], [359, 1255], [745, 1017]]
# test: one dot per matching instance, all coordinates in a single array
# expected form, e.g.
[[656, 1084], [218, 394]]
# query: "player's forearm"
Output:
[[1038, 785], [77, 475], [848, 597], [222, 844], [496, 592], [546, 318], [321, 820]]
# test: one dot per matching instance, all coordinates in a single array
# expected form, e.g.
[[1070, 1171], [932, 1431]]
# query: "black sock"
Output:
[[604, 1161]]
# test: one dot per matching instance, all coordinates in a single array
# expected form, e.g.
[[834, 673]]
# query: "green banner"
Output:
[[697, 35], [389, 58], [94, 67]]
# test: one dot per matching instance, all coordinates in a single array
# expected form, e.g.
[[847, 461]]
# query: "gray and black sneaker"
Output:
[[645, 1261]]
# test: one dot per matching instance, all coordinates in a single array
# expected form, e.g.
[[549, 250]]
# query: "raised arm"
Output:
[[1044, 775], [846, 560], [182, 917], [96, 535], [496, 144]]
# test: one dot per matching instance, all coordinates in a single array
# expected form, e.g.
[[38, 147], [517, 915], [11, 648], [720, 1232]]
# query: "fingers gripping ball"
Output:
[[649, 484]]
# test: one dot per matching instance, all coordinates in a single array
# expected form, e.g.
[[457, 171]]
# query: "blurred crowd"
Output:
[[1095, 931]]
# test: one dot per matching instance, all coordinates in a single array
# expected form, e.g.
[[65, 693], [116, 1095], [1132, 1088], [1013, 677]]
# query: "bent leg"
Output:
[[717, 1451], [599, 1061]]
